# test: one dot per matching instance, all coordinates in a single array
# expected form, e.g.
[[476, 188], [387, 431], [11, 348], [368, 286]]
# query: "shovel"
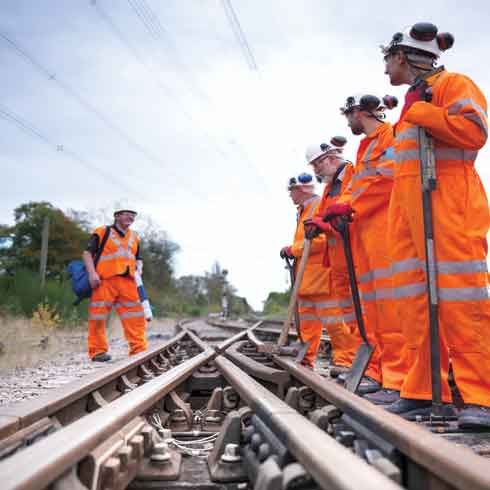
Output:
[[365, 351], [294, 294], [298, 349], [290, 268]]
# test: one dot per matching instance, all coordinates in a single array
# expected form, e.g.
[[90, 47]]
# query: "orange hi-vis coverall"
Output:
[[116, 269], [456, 119], [369, 193], [342, 318], [314, 300]]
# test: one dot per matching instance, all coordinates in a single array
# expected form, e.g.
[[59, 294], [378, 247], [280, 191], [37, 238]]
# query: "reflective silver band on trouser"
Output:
[[129, 304], [100, 304], [331, 241], [443, 267], [131, 314], [444, 294], [98, 316], [318, 304]]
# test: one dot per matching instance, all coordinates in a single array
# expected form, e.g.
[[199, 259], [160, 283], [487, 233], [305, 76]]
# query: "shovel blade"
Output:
[[359, 366], [300, 349]]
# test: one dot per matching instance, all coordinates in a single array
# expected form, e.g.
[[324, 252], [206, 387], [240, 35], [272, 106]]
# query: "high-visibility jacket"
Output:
[[119, 254], [369, 193], [316, 279], [342, 322], [456, 118]]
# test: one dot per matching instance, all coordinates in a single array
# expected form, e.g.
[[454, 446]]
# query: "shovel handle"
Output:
[[294, 294], [343, 229]]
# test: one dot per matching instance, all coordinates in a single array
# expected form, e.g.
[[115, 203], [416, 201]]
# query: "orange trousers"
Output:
[[372, 262], [121, 292], [461, 223], [341, 290], [317, 312]]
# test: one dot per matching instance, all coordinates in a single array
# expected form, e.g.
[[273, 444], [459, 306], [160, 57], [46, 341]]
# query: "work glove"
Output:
[[420, 92], [338, 213], [315, 226], [286, 252]]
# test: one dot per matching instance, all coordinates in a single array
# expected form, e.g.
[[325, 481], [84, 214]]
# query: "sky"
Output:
[[155, 103]]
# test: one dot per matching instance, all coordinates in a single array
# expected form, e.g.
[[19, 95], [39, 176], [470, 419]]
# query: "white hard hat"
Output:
[[317, 150], [124, 210], [303, 180], [369, 102], [422, 36]]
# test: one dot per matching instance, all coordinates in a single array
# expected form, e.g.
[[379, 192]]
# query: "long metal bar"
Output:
[[332, 466], [456, 465], [429, 183], [39, 465]]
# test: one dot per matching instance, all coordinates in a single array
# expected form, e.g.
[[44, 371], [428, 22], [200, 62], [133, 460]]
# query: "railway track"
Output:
[[217, 414]]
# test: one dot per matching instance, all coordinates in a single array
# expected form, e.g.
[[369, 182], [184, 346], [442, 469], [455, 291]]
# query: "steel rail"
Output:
[[332, 466], [39, 465], [19, 416], [456, 465], [226, 343], [264, 329]]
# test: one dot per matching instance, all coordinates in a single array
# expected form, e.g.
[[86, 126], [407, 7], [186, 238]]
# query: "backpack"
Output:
[[79, 275]]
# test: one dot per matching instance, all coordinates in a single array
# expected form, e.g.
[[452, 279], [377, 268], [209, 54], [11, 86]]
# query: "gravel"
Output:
[[64, 362]]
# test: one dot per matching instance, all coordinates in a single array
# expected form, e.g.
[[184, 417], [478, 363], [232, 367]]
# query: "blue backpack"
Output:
[[79, 275]]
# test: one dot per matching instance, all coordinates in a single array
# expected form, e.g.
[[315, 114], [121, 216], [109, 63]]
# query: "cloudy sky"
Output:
[[158, 103]]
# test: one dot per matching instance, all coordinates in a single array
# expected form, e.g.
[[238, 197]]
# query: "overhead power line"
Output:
[[83, 102], [240, 35], [31, 130]]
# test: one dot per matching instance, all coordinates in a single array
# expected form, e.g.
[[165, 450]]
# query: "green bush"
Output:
[[21, 294]]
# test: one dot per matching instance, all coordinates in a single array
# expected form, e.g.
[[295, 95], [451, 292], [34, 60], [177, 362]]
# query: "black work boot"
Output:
[[368, 385], [408, 407], [474, 417], [383, 397], [336, 371], [101, 357]]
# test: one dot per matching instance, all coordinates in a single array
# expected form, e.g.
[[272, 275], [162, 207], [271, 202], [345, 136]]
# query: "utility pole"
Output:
[[44, 251]]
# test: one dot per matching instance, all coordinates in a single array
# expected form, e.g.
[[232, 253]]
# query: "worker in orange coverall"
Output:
[[314, 297], [452, 110], [337, 173], [113, 284], [366, 200]]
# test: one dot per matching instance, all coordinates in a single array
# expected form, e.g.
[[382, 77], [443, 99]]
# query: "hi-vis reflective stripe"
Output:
[[358, 192], [331, 241], [325, 320], [477, 120], [459, 104], [129, 304], [318, 304], [395, 293], [369, 150], [98, 316], [416, 289], [121, 252], [400, 266], [441, 153], [456, 267], [411, 133], [100, 304], [350, 317], [326, 304], [372, 172], [466, 267], [463, 294], [132, 314]]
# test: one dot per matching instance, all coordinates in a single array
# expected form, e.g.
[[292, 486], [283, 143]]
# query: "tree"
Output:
[[67, 239], [158, 254]]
